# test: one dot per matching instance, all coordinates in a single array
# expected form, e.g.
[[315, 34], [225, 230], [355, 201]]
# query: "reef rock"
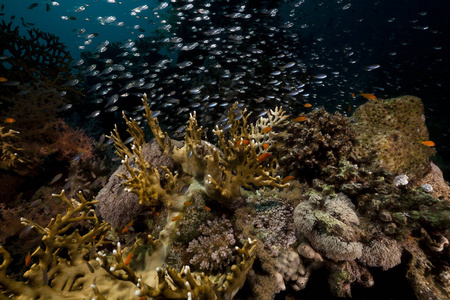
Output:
[[394, 129]]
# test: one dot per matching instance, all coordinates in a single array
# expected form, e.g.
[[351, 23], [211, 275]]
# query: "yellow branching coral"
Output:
[[140, 178], [242, 159], [185, 285], [9, 153], [63, 269]]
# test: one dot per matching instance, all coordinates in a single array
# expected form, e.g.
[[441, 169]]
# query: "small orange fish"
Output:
[[266, 146], [287, 179], [264, 156], [127, 227], [3, 79], [143, 297], [244, 142], [9, 120], [187, 203], [428, 143], [353, 95], [207, 208], [368, 96], [176, 218], [128, 260], [307, 105], [300, 119], [267, 129], [28, 259]]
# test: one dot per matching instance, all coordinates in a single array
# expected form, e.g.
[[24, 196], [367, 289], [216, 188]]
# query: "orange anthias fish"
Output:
[[28, 259], [264, 156], [266, 146], [428, 143], [176, 218], [307, 105], [244, 142], [127, 227], [128, 260], [207, 208], [3, 79], [187, 203], [9, 120], [287, 179], [300, 119], [267, 129], [368, 96]]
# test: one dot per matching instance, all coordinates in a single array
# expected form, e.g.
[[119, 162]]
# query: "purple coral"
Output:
[[213, 250]]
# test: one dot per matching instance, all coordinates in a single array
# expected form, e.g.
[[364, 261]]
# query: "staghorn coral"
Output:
[[212, 250], [61, 270], [240, 160], [65, 267], [184, 285], [119, 207], [322, 140], [394, 129]]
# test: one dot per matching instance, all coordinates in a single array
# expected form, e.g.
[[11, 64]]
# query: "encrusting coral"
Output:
[[395, 130]]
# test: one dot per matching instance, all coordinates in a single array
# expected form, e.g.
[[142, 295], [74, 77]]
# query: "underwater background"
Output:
[[363, 135]]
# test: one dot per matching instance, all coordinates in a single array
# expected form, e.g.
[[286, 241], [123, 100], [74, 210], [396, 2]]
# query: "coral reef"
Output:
[[66, 268], [395, 130], [435, 178], [240, 160], [61, 270], [330, 225], [172, 204], [322, 140], [212, 250], [10, 153], [40, 56]]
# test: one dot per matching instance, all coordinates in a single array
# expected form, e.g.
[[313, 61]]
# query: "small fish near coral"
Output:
[[365, 95], [428, 143]]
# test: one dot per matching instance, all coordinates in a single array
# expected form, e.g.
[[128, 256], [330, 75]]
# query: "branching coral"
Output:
[[38, 56], [240, 161], [61, 270], [10, 154], [185, 285]]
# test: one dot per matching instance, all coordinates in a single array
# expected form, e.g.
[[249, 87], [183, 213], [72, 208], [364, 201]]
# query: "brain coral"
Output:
[[394, 129]]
